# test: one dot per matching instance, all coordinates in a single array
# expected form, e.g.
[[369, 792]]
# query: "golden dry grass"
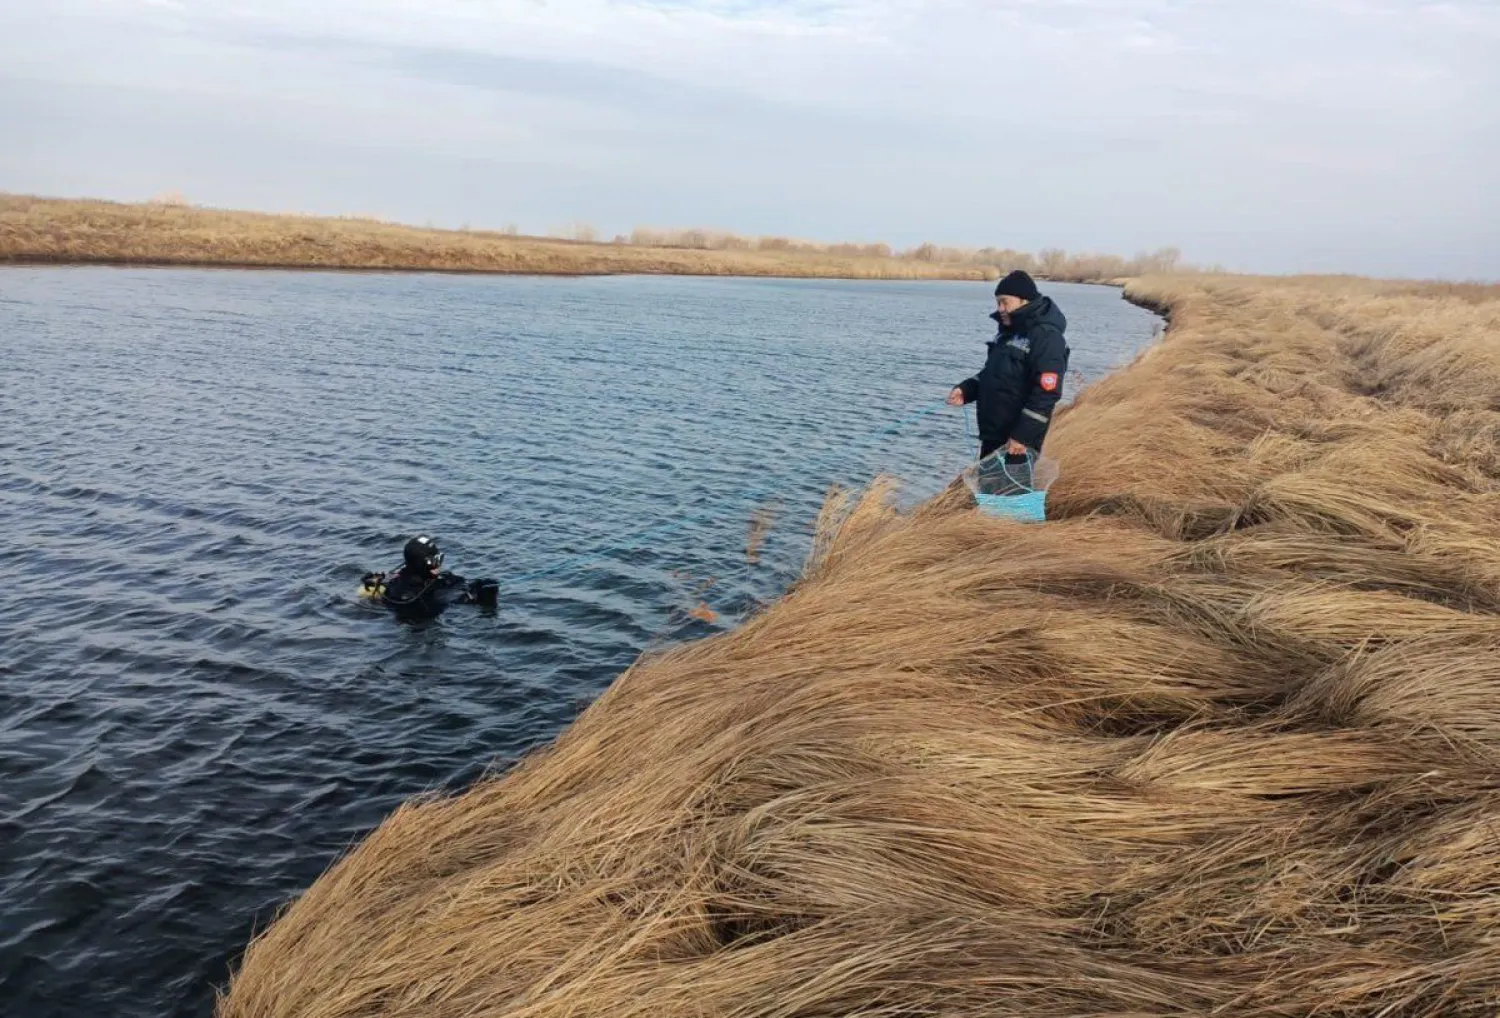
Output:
[[1052, 263], [50, 231], [171, 232], [1223, 738]]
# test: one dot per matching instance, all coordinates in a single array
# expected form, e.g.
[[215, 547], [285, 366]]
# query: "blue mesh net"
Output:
[[1011, 490]]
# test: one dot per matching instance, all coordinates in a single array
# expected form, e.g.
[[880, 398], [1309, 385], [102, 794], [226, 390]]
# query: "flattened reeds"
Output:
[[1221, 738]]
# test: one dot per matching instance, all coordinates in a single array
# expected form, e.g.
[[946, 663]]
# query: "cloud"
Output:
[[1253, 134]]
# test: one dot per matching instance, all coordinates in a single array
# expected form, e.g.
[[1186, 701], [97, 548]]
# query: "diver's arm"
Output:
[[482, 592], [458, 590]]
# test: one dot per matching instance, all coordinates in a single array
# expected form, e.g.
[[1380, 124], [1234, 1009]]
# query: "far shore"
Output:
[[52, 231]]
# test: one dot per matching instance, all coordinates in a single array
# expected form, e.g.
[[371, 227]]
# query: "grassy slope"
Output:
[[41, 230], [1221, 738]]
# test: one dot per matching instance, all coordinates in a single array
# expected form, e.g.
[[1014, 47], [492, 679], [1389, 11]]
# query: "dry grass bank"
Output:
[[1224, 738], [54, 231], [1052, 263]]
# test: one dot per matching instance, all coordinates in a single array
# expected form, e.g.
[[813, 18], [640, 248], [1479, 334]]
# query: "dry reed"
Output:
[[52, 231], [169, 231], [1221, 738]]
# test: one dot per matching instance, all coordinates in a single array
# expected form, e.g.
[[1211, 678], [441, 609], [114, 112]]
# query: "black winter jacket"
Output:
[[1022, 378]]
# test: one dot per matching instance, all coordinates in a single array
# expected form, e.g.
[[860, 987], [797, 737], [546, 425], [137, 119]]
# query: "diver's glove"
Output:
[[372, 585], [484, 592]]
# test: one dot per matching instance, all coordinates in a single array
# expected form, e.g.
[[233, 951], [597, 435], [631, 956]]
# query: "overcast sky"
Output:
[[1277, 135]]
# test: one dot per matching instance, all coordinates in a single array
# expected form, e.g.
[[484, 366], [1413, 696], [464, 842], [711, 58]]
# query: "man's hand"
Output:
[[1016, 448], [956, 397]]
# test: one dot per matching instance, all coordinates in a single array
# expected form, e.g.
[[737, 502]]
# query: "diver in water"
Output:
[[420, 587]]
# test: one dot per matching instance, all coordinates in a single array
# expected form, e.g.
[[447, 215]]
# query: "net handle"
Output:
[[1030, 470], [1031, 461]]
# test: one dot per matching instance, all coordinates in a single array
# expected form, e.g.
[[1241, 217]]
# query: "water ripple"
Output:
[[196, 717]]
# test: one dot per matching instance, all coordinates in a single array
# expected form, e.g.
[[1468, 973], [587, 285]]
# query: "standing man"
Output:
[[1022, 377]]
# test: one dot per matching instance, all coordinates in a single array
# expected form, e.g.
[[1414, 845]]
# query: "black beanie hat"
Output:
[[1017, 284]]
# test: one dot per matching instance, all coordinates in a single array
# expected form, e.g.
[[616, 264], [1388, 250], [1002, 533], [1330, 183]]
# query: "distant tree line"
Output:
[[1051, 263]]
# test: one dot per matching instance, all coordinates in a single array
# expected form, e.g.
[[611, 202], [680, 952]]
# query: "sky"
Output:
[[1272, 136]]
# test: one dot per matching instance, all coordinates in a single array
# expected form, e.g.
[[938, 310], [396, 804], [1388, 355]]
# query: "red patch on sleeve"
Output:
[[1049, 381]]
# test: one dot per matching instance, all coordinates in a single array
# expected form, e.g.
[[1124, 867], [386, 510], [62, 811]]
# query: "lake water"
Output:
[[196, 714]]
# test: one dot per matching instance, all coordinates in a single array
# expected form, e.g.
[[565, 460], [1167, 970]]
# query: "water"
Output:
[[196, 716]]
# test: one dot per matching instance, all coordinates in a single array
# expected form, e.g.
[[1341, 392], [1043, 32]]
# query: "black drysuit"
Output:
[[1022, 378], [413, 593]]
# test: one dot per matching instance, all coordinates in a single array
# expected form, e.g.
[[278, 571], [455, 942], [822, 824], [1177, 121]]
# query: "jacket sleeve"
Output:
[[970, 387], [1049, 365]]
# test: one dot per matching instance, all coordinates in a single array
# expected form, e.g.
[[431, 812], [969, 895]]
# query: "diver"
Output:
[[420, 587]]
